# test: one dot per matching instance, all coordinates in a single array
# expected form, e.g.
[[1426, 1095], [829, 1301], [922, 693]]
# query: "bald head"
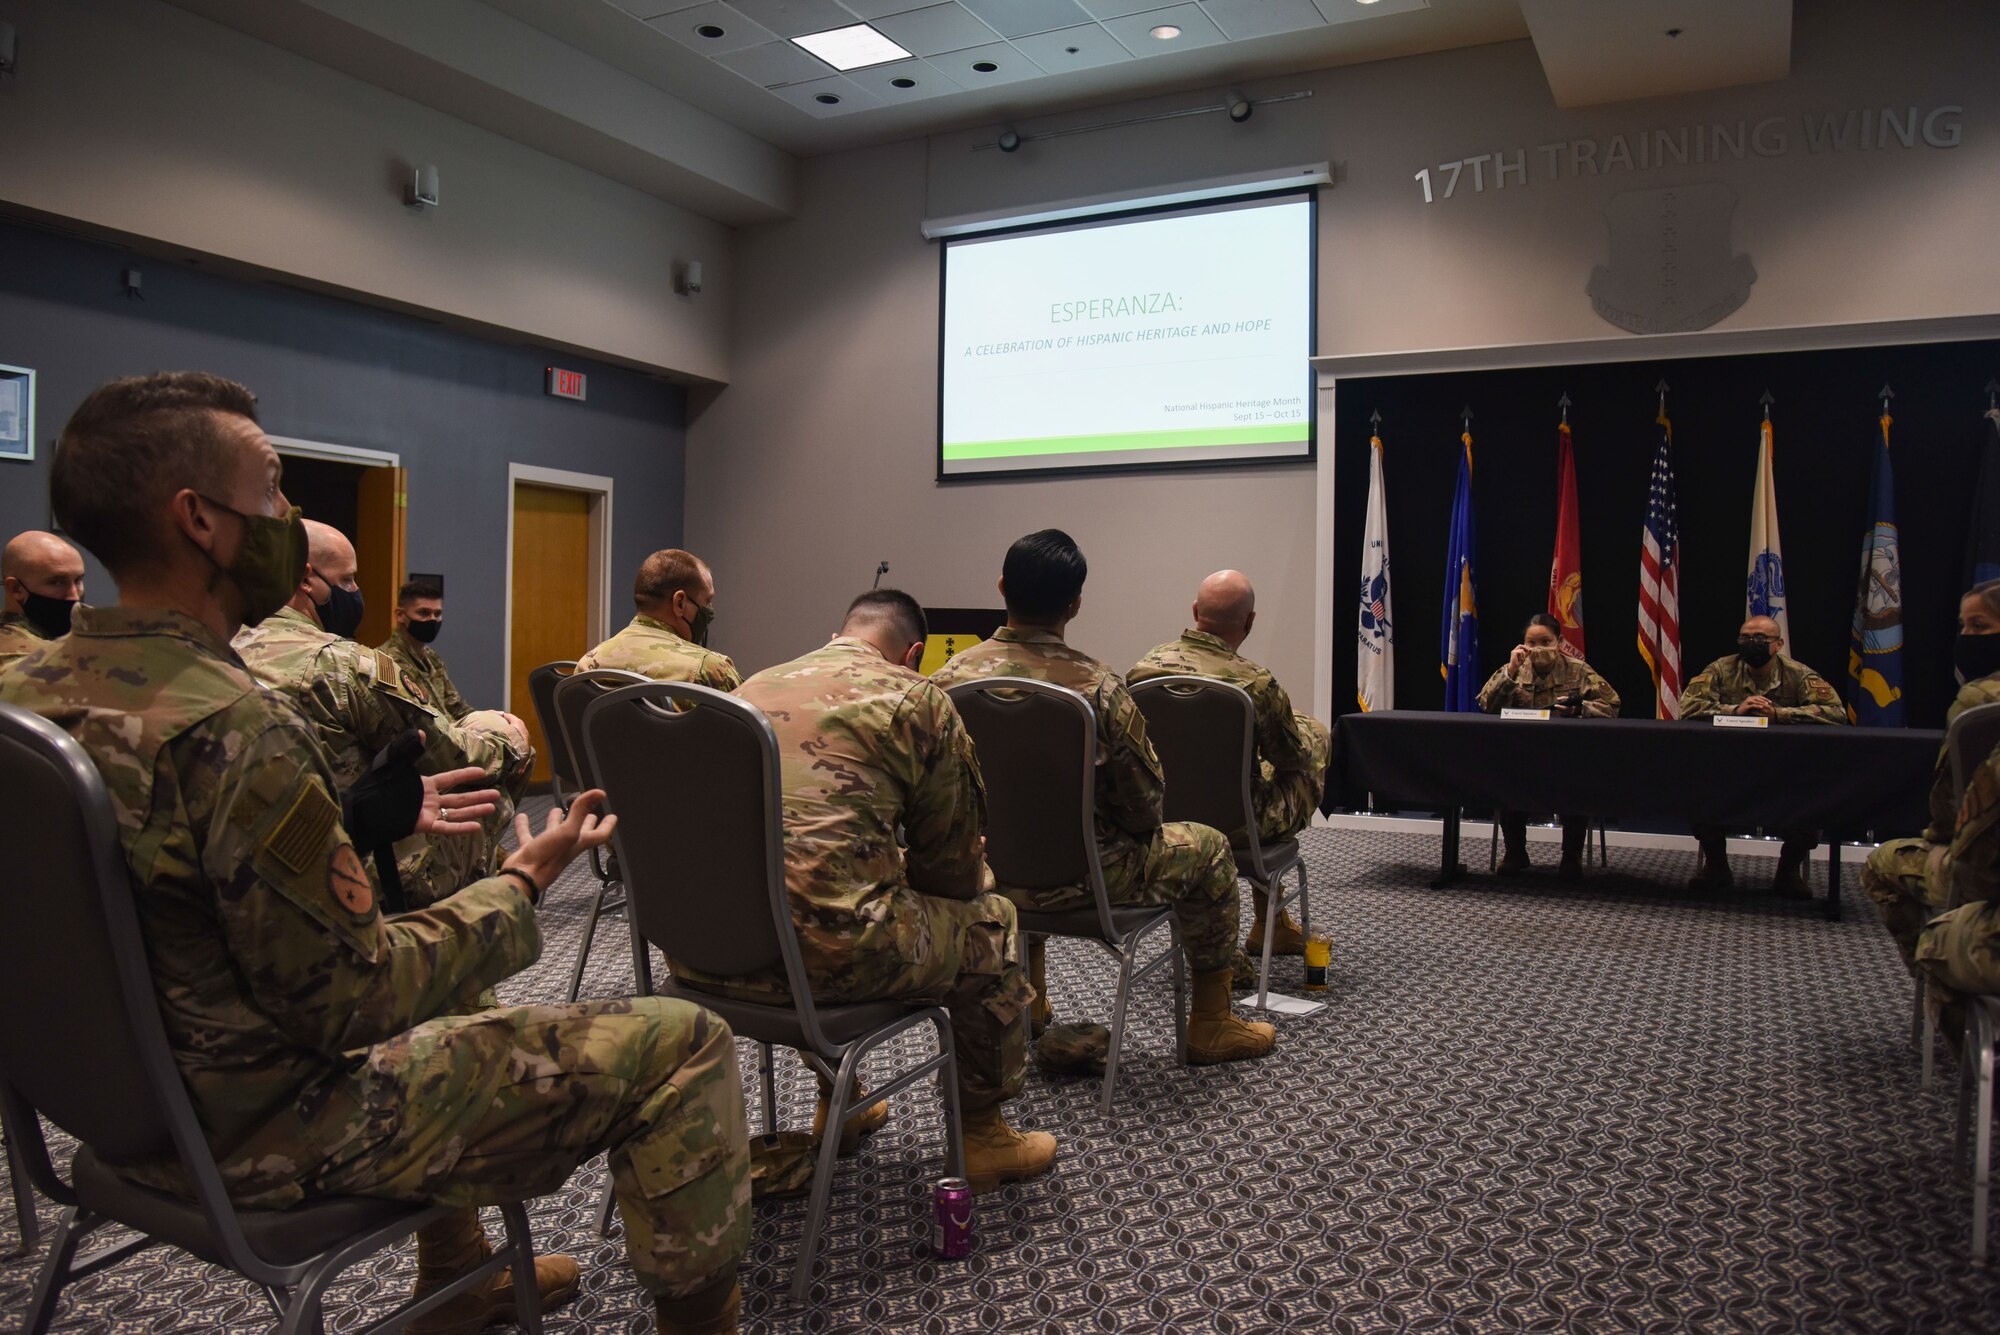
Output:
[[330, 564], [1765, 626], [1225, 606], [40, 563]]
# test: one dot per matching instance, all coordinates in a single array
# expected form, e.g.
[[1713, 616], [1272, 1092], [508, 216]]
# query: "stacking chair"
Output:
[[542, 683], [95, 1061], [1205, 732], [567, 697], [692, 774], [1972, 737], [1038, 750]]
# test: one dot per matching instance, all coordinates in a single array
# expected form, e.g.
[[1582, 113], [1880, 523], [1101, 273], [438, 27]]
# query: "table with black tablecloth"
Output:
[[1838, 781]]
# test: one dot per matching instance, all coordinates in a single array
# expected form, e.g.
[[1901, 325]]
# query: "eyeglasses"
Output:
[[1756, 639]]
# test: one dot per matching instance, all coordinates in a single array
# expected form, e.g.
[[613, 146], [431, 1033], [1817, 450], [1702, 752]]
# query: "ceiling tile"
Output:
[[935, 29], [924, 79], [1073, 48], [650, 9], [847, 96], [1244, 19], [793, 18], [1136, 30], [733, 29], [1111, 9], [773, 63], [1346, 11], [1015, 18], [875, 9], [1009, 65]]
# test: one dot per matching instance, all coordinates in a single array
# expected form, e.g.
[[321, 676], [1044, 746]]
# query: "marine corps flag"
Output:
[[1875, 655], [1458, 647], [1566, 569], [1375, 651], [1764, 581]]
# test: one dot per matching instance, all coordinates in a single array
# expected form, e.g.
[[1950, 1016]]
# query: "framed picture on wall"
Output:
[[17, 413]]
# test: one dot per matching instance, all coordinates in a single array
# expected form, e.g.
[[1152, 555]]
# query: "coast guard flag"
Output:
[[1660, 581], [1765, 592], [1375, 652], [1458, 646], [1875, 654], [1982, 549], [1566, 567]]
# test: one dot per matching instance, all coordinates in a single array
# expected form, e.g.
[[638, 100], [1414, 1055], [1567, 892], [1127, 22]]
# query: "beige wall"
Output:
[[140, 118], [818, 460]]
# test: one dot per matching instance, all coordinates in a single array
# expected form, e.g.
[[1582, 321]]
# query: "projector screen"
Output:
[[1156, 339]]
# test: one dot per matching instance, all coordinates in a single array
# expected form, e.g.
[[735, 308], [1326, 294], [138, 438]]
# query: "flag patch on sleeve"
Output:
[[297, 839]]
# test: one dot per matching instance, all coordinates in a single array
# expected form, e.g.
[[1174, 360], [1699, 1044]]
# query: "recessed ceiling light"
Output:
[[1166, 32], [709, 30], [852, 48]]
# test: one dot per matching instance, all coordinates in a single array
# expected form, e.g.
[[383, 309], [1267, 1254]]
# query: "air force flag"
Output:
[[1765, 593], [1375, 651]]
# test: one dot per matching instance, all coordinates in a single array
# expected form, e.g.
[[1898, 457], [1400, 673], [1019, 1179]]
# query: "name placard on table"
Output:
[[1524, 713], [1741, 721]]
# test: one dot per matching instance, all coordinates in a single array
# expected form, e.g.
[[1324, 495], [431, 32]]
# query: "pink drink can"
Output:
[[951, 1235]]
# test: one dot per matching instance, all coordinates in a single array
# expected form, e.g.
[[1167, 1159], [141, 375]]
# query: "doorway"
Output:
[[364, 494], [558, 605]]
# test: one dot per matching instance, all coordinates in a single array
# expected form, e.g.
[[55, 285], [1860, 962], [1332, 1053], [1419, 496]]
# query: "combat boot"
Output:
[[997, 1153], [454, 1245], [1214, 1034], [1043, 1012], [709, 1311], [855, 1127], [1289, 939]]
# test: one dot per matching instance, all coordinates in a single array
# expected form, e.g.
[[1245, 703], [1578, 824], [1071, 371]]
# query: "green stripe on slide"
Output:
[[1282, 433]]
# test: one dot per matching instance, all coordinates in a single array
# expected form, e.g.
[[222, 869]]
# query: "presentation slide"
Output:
[[1158, 339]]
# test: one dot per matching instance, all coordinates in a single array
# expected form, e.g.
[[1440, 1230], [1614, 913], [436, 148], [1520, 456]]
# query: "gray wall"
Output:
[[458, 410]]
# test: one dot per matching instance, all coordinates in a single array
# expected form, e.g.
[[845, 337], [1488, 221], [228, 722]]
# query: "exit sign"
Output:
[[565, 384]]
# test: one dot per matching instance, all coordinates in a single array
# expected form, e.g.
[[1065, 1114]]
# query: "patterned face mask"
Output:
[[269, 561]]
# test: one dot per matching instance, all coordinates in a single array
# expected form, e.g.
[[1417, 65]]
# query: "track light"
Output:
[[1008, 141], [1239, 107]]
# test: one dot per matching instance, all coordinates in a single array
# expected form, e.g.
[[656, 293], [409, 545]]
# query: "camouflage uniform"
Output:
[[1525, 688], [1902, 875], [18, 638], [358, 702], [1145, 861], [648, 648], [317, 1036], [1292, 748], [424, 674], [1797, 695], [867, 747], [1960, 950]]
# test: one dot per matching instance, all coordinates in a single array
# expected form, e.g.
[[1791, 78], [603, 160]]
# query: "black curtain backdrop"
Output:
[[1825, 425]]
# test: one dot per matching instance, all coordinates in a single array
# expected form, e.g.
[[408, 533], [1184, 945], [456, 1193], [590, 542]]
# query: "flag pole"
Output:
[[1662, 388], [1767, 401], [1993, 396], [1886, 395], [1563, 403]]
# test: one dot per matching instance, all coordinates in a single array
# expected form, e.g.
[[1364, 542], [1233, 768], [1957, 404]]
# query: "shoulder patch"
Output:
[[349, 880], [297, 838]]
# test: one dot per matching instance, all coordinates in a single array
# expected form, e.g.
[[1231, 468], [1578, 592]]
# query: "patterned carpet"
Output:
[[1533, 1106]]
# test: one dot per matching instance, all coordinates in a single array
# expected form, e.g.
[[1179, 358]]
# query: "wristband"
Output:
[[527, 883]]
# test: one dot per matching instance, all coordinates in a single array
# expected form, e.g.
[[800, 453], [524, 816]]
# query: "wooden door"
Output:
[[381, 505], [551, 594]]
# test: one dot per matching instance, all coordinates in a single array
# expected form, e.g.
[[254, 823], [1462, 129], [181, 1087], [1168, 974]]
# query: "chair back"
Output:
[[1205, 732], [88, 1049], [542, 691], [1970, 741], [571, 696], [693, 776], [1037, 745]]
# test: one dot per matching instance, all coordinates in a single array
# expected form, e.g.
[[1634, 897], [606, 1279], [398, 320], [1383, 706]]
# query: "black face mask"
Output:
[[423, 632], [48, 615], [1976, 655], [1754, 652], [704, 617], [341, 612]]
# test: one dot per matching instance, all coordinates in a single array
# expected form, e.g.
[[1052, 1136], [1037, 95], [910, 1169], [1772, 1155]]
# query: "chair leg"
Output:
[[55, 1270], [1493, 848], [954, 1124], [589, 935], [1305, 902], [822, 1189], [642, 961], [1180, 990], [24, 1204], [1982, 1140], [1603, 845], [302, 1311], [1273, 907], [607, 1204], [1125, 958], [1926, 1033], [527, 1292], [768, 1067]]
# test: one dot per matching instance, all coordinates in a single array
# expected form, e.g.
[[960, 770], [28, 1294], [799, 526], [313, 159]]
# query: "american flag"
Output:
[[1660, 580]]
